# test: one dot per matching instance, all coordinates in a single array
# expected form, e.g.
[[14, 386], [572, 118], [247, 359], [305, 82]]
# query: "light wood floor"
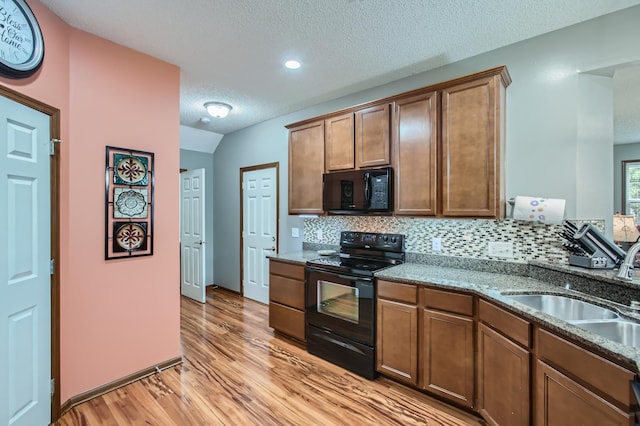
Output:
[[236, 372]]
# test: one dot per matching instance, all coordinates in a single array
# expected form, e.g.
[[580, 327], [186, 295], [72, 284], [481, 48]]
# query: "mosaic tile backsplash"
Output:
[[459, 237]]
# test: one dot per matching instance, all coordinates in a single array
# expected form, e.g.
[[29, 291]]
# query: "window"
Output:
[[631, 188]]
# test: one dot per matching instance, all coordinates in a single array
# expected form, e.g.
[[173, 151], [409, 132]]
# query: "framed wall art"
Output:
[[129, 180]]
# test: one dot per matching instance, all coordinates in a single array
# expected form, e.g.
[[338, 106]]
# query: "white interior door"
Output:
[[192, 243], [260, 223], [25, 253]]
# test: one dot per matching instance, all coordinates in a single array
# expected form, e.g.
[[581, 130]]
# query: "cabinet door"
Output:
[[447, 356], [372, 137], [306, 165], [503, 379], [471, 154], [415, 144], [338, 143], [560, 401], [397, 341]]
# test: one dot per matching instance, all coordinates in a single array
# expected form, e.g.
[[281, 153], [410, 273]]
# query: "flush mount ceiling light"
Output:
[[292, 64], [217, 109]]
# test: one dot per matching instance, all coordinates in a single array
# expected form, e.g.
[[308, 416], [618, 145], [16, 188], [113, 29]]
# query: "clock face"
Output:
[[21, 43]]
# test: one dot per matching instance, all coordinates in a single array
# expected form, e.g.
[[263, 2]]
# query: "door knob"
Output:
[[272, 249], [201, 242]]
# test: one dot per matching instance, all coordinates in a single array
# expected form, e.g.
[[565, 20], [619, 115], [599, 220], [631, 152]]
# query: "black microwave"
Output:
[[358, 191]]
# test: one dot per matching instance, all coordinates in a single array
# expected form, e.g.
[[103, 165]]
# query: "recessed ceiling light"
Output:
[[292, 64], [217, 109]]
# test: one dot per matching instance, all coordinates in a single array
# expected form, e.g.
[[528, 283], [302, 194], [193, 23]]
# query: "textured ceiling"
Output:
[[232, 50]]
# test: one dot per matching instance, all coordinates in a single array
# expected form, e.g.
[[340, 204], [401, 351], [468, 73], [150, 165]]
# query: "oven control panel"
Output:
[[370, 240]]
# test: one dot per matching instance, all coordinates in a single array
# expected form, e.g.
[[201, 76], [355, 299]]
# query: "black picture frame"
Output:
[[129, 203]]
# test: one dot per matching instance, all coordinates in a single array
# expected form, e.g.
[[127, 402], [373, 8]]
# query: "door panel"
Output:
[[192, 263], [259, 197], [25, 253]]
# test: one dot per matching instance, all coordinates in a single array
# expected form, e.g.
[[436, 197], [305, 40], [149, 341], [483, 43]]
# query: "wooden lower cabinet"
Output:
[[511, 371], [397, 341], [286, 298], [561, 401], [447, 356], [503, 379]]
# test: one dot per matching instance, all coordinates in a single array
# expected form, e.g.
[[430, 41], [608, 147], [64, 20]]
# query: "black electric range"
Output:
[[340, 306]]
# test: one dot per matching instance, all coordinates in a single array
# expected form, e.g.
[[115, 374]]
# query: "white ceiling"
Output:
[[232, 50]]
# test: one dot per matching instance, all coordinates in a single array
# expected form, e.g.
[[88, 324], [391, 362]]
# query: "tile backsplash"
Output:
[[459, 237]]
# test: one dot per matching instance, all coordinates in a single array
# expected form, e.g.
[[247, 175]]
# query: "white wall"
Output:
[[546, 153]]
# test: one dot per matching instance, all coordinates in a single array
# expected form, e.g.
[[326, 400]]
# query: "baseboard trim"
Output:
[[108, 387]]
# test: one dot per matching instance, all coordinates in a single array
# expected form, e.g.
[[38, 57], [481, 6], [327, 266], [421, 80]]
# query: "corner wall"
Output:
[[121, 316]]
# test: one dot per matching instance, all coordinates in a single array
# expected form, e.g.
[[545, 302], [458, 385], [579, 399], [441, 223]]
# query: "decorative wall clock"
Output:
[[129, 181], [21, 42]]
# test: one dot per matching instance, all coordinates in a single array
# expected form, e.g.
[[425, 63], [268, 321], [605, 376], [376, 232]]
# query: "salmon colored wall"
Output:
[[120, 316]]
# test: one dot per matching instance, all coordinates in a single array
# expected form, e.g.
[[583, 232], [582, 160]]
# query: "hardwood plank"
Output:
[[237, 372]]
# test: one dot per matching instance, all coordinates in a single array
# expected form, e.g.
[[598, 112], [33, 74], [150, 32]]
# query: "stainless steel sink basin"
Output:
[[621, 331], [564, 308]]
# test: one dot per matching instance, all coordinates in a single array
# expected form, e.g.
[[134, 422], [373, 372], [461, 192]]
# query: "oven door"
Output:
[[342, 304]]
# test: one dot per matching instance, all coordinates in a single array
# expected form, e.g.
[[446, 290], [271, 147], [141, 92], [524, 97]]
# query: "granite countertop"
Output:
[[594, 286]]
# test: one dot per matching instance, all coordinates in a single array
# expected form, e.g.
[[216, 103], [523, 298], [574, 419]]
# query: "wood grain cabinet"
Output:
[[339, 152], [425, 339], [306, 165], [573, 383], [416, 155], [472, 151], [358, 140], [372, 140], [397, 331], [448, 148], [287, 298], [447, 351], [503, 367], [444, 141]]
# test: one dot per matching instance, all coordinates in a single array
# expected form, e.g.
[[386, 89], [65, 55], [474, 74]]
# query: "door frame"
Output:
[[54, 133], [275, 165]]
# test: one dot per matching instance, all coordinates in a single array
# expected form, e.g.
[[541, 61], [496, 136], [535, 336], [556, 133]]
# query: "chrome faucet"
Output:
[[626, 268]]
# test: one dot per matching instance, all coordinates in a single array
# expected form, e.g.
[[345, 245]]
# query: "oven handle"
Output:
[[339, 343], [353, 278]]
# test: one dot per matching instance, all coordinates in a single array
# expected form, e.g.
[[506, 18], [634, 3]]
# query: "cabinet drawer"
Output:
[[287, 269], [514, 327], [588, 368], [286, 291], [407, 293], [448, 301], [287, 320]]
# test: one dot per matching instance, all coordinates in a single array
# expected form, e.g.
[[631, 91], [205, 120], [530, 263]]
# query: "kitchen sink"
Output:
[[564, 308], [620, 331]]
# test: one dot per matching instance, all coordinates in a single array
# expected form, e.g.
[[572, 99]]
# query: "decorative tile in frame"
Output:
[[130, 203], [129, 185], [129, 236], [130, 169]]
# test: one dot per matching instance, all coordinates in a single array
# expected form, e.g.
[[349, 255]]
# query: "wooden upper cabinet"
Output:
[[415, 144], [372, 140], [444, 141], [306, 165], [472, 152], [338, 143]]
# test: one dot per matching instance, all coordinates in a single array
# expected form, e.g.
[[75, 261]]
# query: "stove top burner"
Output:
[[364, 253]]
